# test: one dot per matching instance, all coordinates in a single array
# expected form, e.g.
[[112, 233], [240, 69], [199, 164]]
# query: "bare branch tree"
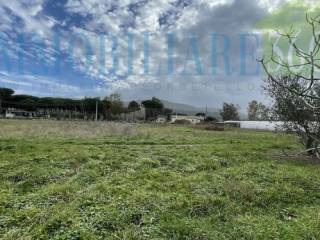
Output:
[[296, 94]]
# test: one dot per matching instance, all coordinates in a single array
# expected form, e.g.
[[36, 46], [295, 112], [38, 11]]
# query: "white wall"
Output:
[[261, 125]]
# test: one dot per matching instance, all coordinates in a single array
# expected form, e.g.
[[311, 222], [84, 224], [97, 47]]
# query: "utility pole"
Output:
[[206, 111], [97, 111]]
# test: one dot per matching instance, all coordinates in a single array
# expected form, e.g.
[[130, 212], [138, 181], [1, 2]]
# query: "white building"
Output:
[[191, 119]]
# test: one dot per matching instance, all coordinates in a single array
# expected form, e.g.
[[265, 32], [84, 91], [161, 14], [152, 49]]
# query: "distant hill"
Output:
[[192, 110], [189, 109]]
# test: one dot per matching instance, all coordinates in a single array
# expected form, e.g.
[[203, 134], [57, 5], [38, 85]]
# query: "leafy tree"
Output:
[[211, 119], [24, 98], [106, 104], [89, 105], [201, 114], [264, 113], [253, 110], [29, 104], [296, 94], [154, 108], [295, 115], [133, 106], [114, 106], [22, 101], [154, 103], [257, 111], [158, 102], [168, 113], [6, 93], [229, 112]]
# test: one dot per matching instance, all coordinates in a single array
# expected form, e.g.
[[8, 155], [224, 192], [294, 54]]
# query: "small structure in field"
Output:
[[161, 119], [190, 119]]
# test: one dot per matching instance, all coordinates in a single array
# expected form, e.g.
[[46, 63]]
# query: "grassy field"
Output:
[[64, 180]]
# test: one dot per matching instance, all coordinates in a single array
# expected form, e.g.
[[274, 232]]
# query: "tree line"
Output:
[[112, 107], [108, 108], [257, 111]]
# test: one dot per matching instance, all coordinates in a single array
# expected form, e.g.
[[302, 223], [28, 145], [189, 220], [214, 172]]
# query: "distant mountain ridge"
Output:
[[189, 109], [192, 110]]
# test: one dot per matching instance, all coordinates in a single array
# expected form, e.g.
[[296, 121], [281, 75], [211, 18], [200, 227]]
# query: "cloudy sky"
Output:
[[189, 51]]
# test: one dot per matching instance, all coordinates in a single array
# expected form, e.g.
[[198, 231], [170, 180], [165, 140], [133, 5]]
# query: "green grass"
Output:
[[152, 182]]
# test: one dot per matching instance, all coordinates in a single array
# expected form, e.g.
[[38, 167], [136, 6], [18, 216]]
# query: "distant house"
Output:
[[191, 119]]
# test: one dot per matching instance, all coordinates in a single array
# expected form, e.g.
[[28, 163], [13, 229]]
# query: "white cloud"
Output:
[[41, 25], [38, 82], [201, 18]]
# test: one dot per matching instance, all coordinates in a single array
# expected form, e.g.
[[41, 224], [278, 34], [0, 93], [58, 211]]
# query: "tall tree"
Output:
[[154, 108], [115, 105], [253, 110], [89, 107], [107, 108], [133, 106], [168, 113], [229, 112], [264, 113], [257, 111], [296, 94], [200, 114], [5, 93]]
